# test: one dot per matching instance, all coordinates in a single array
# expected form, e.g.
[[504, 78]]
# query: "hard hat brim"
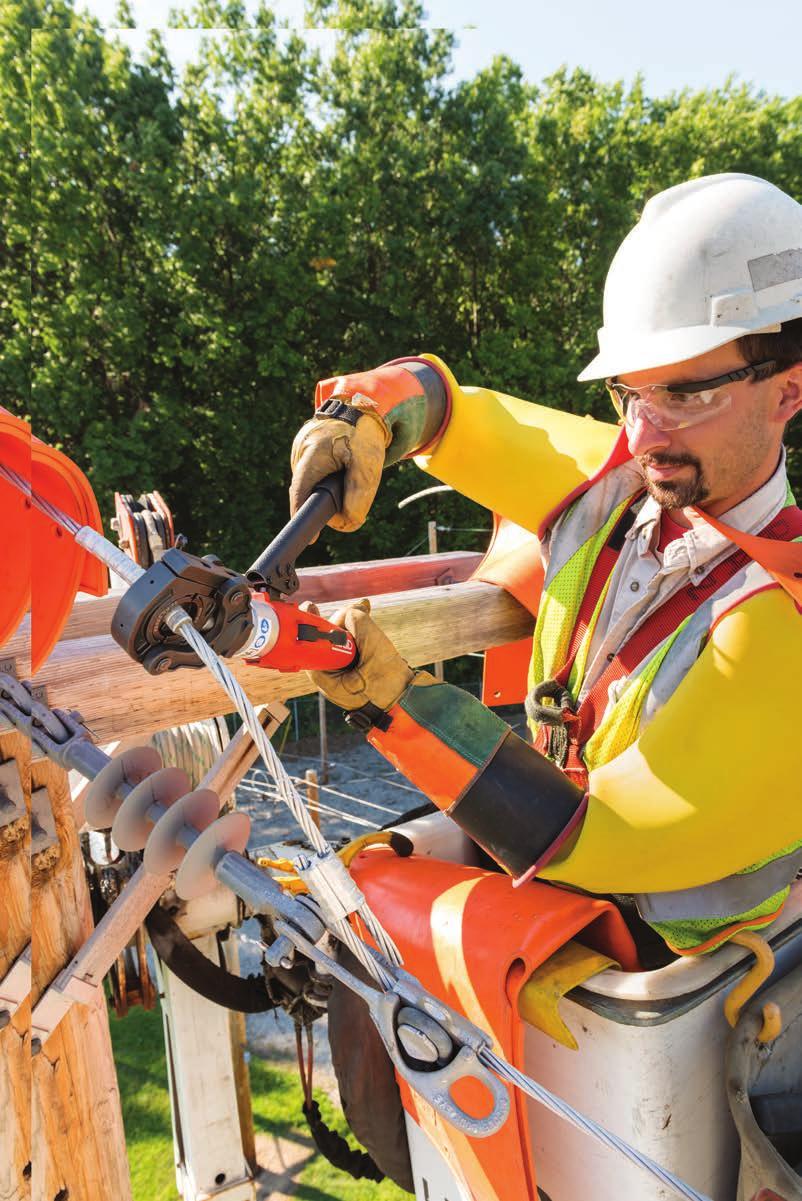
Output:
[[632, 352]]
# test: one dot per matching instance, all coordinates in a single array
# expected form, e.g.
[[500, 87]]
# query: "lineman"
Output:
[[667, 652]]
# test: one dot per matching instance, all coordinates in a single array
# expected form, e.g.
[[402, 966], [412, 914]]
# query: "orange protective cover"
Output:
[[474, 941], [15, 526], [61, 568], [40, 559], [782, 560], [513, 562]]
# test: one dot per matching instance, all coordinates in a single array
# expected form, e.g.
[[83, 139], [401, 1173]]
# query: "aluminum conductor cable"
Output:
[[318, 878], [328, 880]]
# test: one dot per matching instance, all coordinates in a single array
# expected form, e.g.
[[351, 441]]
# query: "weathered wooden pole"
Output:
[[15, 937], [313, 796], [78, 1144], [324, 738], [117, 697]]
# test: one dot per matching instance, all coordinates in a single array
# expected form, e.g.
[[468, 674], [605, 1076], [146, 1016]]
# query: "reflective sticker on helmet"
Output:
[[772, 269]]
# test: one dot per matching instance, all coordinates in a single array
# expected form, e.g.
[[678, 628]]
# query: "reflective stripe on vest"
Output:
[[648, 668], [724, 898]]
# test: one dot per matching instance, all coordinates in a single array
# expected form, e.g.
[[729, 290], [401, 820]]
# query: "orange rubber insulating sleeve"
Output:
[[429, 446], [440, 772], [386, 386]]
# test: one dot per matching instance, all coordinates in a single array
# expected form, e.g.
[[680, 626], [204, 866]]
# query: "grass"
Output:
[[142, 1073]]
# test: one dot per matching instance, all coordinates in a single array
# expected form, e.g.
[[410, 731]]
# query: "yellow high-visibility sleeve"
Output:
[[712, 784], [516, 458]]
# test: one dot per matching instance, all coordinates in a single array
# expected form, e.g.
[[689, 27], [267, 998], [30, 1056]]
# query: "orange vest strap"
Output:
[[780, 557]]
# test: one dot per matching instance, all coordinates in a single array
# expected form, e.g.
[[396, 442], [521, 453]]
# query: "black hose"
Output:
[[245, 994]]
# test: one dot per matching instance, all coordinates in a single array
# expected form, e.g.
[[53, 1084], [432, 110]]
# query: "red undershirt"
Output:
[[669, 530]]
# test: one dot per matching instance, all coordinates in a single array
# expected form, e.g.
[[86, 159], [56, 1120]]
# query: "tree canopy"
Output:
[[182, 258]]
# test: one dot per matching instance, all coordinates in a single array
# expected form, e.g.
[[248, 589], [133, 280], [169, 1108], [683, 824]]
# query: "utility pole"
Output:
[[312, 795], [324, 738], [438, 667]]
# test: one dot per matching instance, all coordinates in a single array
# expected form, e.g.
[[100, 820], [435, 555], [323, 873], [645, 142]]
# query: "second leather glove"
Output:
[[380, 676], [355, 442]]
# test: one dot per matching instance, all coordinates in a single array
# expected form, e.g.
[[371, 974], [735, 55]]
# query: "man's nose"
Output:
[[643, 437]]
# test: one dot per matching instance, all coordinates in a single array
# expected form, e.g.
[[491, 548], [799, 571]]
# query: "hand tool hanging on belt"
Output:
[[242, 616]]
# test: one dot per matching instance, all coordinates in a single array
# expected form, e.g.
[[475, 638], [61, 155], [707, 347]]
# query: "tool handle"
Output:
[[275, 567]]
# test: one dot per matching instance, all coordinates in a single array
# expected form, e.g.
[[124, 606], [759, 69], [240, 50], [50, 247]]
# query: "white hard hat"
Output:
[[709, 261]]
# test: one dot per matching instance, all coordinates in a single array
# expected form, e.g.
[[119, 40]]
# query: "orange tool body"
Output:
[[287, 638]]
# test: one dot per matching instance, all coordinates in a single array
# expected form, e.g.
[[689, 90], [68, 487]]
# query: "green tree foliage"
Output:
[[203, 249]]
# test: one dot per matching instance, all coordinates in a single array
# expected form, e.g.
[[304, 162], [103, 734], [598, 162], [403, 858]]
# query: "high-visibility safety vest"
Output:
[[650, 666]]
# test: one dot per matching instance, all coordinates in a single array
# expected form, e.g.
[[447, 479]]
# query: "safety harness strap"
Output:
[[665, 620], [787, 525]]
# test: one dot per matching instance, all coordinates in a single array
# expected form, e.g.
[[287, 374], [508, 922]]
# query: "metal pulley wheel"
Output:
[[144, 526]]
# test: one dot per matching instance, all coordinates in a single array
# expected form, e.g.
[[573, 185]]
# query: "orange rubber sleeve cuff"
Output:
[[438, 771], [388, 386]]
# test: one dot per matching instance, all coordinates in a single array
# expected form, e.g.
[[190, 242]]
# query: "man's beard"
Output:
[[679, 493]]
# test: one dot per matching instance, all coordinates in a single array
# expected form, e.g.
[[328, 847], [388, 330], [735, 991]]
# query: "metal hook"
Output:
[[745, 989]]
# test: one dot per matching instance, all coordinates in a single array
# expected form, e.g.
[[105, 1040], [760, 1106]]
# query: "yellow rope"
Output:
[[348, 853]]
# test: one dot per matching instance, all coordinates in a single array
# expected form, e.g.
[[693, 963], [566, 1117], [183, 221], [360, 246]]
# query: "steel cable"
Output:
[[513, 1076], [180, 623]]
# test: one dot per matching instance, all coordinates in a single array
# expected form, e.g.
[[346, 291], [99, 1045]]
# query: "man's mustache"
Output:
[[659, 460]]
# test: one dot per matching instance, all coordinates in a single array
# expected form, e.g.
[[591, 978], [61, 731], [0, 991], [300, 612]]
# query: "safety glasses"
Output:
[[677, 406]]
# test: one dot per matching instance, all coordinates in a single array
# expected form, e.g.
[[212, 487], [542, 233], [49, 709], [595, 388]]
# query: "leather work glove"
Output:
[[327, 444], [380, 676]]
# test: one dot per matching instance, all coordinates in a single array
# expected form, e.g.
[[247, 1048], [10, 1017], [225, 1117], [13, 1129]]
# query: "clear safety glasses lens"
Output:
[[667, 410]]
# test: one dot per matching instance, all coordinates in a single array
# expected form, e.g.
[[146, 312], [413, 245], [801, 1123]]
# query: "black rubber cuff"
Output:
[[517, 806], [340, 410], [367, 717]]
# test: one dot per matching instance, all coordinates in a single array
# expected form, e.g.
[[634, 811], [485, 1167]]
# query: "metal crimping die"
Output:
[[218, 601]]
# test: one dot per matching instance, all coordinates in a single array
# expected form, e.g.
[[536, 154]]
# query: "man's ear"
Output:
[[790, 383]]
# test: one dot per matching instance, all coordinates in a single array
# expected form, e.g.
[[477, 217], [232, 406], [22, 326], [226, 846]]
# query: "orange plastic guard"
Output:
[[58, 567], [513, 562], [782, 560], [15, 526], [474, 941]]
